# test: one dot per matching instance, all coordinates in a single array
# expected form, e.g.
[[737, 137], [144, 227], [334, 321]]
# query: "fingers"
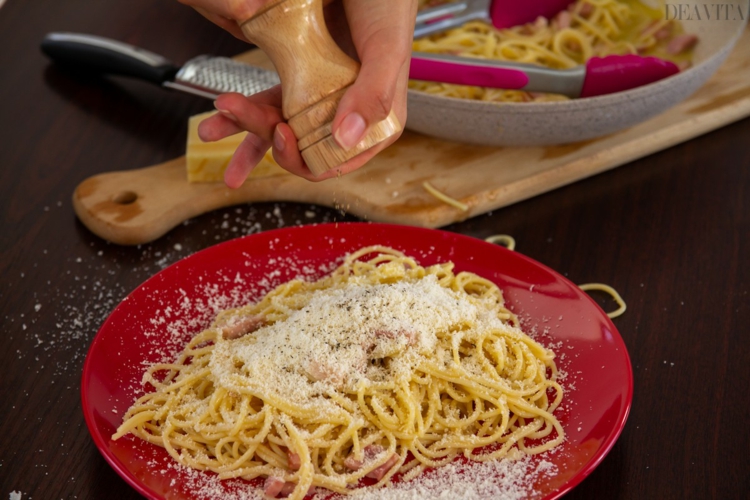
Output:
[[399, 106], [248, 154], [252, 150], [217, 127], [382, 33], [236, 109], [287, 155], [259, 114], [286, 152]]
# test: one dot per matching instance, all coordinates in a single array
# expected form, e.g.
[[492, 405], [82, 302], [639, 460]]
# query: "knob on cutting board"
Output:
[[314, 74]]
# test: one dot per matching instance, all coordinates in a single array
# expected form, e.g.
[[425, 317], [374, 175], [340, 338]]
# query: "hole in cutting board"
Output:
[[125, 198]]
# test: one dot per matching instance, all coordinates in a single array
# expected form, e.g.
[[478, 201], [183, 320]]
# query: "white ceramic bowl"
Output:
[[549, 123]]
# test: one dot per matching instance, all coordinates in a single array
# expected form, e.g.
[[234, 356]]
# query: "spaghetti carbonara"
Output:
[[382, 367], [587, 29]]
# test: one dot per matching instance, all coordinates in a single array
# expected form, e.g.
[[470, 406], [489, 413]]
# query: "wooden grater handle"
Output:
[[314, 74]]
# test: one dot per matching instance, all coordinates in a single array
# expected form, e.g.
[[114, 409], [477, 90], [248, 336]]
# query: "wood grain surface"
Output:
[[389, 188], [670, 231]]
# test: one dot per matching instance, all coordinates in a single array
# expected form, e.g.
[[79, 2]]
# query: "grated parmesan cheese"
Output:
[[340, 334], [506, 479]]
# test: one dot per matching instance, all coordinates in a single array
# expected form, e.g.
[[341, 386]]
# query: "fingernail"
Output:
[[279, 143], [350, 131], [225, 113]]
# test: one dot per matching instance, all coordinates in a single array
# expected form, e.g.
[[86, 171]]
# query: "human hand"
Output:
[[380, 36]]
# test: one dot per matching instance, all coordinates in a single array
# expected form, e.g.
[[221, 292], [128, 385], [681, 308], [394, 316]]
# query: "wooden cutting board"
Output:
[[137, 206]]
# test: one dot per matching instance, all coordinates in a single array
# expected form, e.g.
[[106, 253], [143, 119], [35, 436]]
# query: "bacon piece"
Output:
[[273, 486], [411, 337], [378, 472], [370, 452], [239, 327], [563, 20], [321, 371], [293, 460], [586, 10], [317, 370], [681, 43], [540, 23], [662, 33], [352, 463], [288, 488]]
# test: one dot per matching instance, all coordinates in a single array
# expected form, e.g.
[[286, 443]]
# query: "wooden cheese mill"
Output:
[[314, 74]]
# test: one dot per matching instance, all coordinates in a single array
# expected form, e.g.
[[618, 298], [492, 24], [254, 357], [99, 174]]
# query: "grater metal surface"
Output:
[[209, 76]]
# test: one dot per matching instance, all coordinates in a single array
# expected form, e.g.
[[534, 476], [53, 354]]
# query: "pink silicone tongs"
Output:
[[597, 77]]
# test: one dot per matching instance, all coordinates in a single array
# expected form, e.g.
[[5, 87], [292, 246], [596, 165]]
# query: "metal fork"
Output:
[[450, 15]]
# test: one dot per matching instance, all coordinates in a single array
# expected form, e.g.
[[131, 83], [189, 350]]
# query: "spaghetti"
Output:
[[589, 28], [444, 197], [382, 367], [601, 287], [505, 240], [510, 243]]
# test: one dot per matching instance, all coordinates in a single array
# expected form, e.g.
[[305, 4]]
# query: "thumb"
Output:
[[371, 97]]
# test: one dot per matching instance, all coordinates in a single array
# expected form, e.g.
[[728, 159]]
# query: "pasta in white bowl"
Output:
[[511, 118]]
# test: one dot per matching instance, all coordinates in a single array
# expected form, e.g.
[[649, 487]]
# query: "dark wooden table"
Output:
[[671, 232]]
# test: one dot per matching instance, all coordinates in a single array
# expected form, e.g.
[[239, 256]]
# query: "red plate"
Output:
[[157, 319]]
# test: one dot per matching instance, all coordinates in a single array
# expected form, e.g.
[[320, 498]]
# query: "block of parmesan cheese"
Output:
[[206, 161]]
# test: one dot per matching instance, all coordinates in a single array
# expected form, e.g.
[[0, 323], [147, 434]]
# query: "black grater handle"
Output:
[[106, 56]]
